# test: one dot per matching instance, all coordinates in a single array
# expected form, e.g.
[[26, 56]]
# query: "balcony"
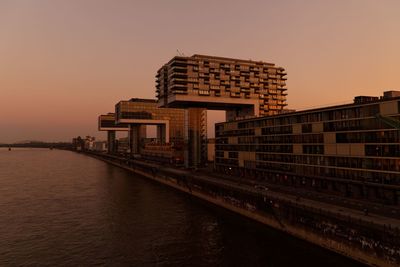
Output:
[[177, 87], [177, 68], [204, 92], [178, 81]]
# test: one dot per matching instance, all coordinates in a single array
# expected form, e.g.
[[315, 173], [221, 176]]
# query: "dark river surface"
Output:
[[60, 208]]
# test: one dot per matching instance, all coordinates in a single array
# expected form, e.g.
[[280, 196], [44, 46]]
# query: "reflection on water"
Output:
[[59, 208]]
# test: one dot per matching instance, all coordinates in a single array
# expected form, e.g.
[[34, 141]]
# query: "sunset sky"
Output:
[[62, 63]]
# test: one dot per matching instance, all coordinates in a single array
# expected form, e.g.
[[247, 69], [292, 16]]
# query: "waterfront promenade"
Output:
[[370, 238]]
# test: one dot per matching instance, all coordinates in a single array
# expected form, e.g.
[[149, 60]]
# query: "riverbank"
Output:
[[372, 240]]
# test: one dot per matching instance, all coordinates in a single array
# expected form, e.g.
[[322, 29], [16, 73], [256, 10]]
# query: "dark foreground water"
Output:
[[59, 208]]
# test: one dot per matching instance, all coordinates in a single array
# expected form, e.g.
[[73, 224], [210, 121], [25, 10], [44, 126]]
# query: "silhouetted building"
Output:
[[100, 146], [78, 144]]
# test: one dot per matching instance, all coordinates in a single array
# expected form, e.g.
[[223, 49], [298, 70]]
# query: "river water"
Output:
[[60, 208]]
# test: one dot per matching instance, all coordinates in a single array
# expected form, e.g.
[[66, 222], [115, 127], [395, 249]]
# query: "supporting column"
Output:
[[163, 133], [142, 137], [143, 132], [186, 139], [111, 141], [134, 138], [197, 121]]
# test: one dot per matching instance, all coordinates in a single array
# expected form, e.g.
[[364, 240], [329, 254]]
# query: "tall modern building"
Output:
[[351, 150], [243, 88]]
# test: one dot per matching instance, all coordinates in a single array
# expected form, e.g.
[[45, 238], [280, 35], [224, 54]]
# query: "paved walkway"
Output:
[[339, 210]]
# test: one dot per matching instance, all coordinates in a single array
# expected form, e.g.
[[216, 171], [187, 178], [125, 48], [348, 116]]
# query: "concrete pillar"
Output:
[[197, 129], [143, 132], [163, 132], [111, 142], [142, 137], [186, 139], [134, 138]]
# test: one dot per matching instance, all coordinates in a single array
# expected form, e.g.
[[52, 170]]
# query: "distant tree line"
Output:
[[59, 145]]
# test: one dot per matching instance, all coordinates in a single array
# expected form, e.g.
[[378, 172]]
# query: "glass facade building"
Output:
[[147, 112], [107, 123], [351, 150]]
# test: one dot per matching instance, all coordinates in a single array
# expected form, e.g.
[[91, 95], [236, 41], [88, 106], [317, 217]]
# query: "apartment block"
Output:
[[351, 150], [241, 87]]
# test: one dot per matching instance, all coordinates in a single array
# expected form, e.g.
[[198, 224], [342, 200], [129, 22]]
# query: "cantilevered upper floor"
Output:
[[146, 112], [252, 88], [107, 123]]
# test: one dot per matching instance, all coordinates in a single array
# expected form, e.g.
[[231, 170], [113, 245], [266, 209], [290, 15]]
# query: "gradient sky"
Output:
[[62, 63]]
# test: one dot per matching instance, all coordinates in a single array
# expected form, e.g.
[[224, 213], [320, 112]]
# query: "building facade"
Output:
[[170, 122], [107, 123], [351, 150], [141, 112], [241, 87]]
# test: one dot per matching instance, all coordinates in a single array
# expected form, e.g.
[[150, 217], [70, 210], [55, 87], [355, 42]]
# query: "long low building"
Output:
[[351, 150]]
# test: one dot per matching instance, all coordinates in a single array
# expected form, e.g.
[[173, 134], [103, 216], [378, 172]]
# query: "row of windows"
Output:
[[382, 150], [259, 148], [307, 149], [329, 115], [370, 150], [136, 115], [343, 125], [277, 130], [233, 162], [345, 162], [278, 139], [236, 132], [364, 176], [110, 124], [351, 137], [368, 137], [313, 149]]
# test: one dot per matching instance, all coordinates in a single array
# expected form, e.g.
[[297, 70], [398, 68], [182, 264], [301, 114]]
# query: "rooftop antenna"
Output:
[[179, 53]]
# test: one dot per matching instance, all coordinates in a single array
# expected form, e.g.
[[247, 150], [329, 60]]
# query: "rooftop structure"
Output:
[[352, 150]]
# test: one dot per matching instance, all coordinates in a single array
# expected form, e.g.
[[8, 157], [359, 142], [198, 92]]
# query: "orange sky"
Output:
[[64, 62]]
